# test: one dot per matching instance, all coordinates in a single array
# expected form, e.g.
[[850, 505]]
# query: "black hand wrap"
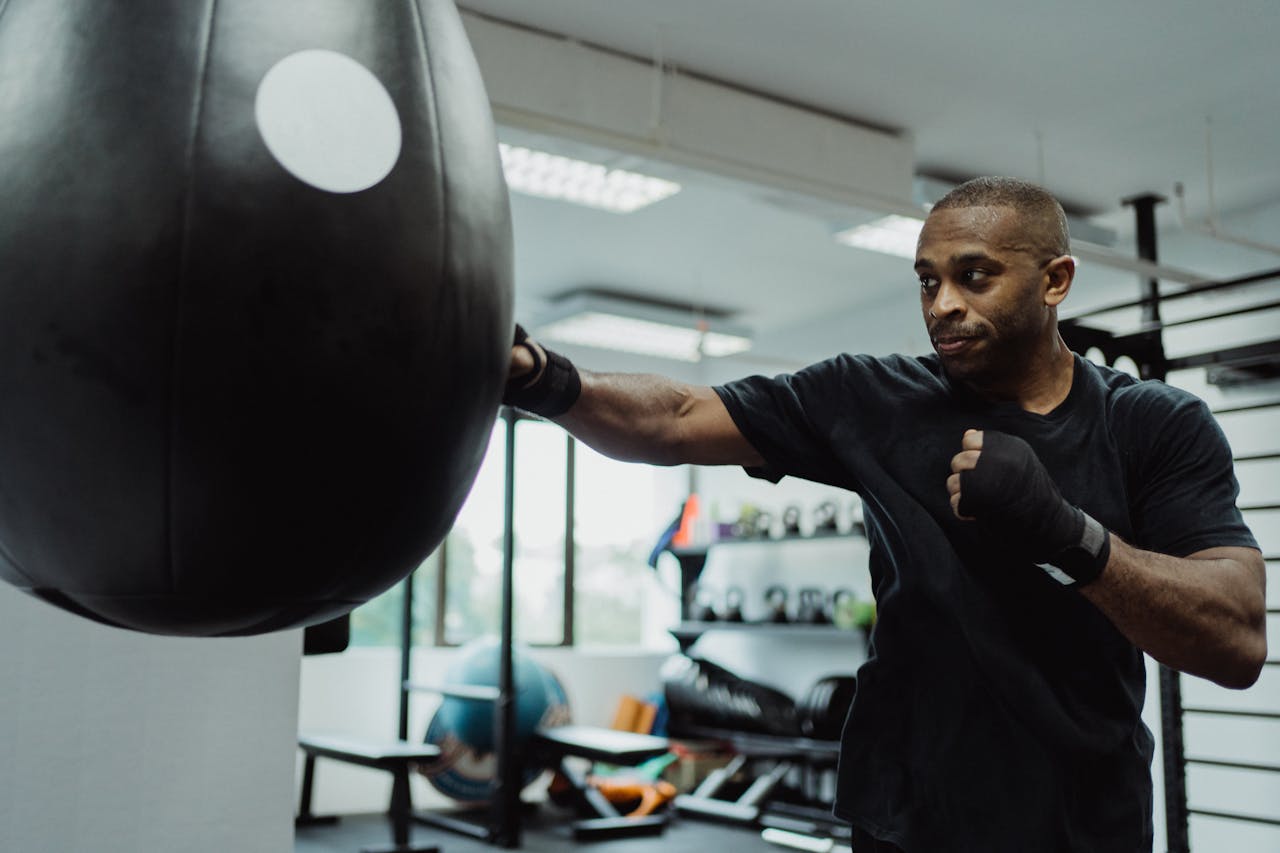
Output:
[[1010, 492], [550, 389]]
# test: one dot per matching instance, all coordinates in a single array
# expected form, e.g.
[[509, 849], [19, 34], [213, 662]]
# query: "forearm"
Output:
[[632, 417], [1204, 615], [627, 416]]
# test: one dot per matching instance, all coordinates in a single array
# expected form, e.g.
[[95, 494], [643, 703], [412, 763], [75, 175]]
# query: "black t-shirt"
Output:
[[998, 710]]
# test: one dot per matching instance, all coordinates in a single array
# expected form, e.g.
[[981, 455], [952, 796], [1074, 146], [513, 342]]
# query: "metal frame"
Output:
[[1146, 348]]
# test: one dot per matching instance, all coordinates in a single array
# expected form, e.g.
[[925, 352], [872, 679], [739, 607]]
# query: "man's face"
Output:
[[982, 283]]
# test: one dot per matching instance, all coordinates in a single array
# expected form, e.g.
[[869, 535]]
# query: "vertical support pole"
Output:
[[1172, 751], [442, 593], [570, 562], [1144, 214], [1175, 766], [509, 772], [406, 653]]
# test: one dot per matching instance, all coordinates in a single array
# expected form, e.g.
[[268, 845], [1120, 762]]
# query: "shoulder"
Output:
[[1149, 402], [1152, 422], [893, 370], [837, 385], [855, 371]]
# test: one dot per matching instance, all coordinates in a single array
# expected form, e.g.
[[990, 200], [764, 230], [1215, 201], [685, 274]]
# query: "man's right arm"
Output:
[[640, 417]]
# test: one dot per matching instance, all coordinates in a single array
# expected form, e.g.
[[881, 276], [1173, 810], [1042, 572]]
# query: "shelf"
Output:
[[686, 632], [767, 540]]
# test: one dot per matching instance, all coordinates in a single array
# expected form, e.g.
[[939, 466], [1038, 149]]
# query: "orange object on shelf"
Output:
[[683, 537]]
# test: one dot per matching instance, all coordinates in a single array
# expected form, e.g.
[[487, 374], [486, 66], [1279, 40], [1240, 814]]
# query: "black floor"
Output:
[[542, 834]]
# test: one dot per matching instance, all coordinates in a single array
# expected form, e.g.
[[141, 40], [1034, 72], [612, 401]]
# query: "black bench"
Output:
[[393, 756], [611, 747]]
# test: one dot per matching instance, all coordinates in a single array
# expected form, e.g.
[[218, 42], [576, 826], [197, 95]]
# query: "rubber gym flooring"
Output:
[[541, 835]]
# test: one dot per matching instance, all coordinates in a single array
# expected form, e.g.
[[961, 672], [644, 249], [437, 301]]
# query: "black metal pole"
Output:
[[1144, 214], [1172, 750], [570, 566], [509, 772], [406, 653], [1175, 765]]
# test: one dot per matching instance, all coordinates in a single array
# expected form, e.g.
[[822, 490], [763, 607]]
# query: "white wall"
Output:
[[115, 741], [1240, 739]]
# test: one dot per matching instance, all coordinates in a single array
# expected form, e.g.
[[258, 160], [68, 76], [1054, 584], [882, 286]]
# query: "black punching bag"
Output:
[[255, 303]]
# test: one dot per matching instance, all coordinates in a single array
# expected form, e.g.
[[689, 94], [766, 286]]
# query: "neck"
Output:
[[1040, 383]]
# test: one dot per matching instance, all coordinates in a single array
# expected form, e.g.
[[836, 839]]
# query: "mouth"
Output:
[[954, 344]]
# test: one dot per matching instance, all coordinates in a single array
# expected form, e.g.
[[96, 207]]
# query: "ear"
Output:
[[1058, 275]]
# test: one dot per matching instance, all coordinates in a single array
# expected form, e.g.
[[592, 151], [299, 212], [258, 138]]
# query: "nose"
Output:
[[948, 300]]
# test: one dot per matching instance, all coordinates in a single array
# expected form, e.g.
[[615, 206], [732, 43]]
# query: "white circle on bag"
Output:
[[328, 120]]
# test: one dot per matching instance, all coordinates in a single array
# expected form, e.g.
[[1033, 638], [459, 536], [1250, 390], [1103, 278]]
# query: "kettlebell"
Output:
[[844, 609], [813, 606], [703, 611], [733, 604], [824, 517], [775, 598], [791, 521]]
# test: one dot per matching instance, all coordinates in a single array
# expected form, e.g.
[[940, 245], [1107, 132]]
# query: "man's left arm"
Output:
[[1204, 614]]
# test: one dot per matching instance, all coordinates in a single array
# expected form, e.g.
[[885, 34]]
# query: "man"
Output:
[[1035, 521]]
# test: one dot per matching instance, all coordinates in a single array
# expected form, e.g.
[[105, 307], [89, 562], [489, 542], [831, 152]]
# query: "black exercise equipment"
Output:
[[823, 709], [791, 521], [702, 693], [824, 517], [627, 749], [733, 598], [396, 757], [775, 598], [768, 760], [703, 607], [247, 373], [812, 607]]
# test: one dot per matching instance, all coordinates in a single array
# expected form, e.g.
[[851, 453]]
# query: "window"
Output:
[[603, 593], [620, 509]]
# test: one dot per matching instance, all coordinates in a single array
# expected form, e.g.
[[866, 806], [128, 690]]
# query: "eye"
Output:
[[974, 276], [928, 283]]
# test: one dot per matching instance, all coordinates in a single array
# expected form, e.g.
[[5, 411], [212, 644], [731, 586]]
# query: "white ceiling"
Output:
[[1096, 99]]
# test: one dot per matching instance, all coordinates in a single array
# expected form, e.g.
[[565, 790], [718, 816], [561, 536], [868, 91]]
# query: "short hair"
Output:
[[1031, 200]]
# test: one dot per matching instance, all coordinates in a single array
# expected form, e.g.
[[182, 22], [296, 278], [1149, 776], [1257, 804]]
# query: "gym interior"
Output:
[[581, 652]]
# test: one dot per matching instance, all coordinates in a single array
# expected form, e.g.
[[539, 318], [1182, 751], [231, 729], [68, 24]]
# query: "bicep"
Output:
[[708, 435]]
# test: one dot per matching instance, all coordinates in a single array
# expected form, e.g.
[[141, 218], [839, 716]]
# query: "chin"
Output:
[[968, 369]]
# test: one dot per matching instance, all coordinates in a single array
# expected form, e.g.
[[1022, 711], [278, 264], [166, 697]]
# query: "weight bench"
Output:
[[755, 752], [609, 747], [394, 756]]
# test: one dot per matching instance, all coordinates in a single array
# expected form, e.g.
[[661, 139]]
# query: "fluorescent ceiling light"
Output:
[[892, 235], [590, 184], [615, 323]]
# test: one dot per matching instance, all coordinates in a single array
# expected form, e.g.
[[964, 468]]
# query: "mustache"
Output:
[[954, 331]]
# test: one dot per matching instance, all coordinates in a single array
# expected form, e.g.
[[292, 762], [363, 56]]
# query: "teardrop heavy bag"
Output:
[[255, 303]]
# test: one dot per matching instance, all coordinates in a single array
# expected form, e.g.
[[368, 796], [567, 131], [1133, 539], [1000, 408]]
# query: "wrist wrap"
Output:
[[1084, 561], [1013, 496], [550, 389]]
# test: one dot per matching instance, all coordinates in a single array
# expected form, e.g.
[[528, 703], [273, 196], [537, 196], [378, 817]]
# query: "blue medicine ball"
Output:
[[464, 728]]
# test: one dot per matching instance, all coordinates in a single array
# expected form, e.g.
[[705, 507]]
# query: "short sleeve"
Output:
[[1183, 488], [787, 419]]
